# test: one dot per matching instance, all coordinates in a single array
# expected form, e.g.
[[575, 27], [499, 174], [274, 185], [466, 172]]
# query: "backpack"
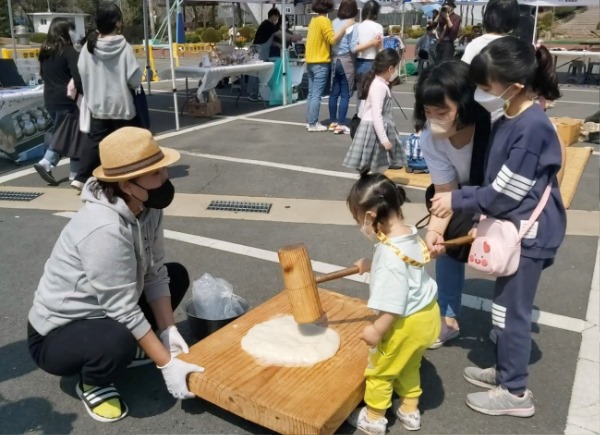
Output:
[[415, 162], [393, 42]]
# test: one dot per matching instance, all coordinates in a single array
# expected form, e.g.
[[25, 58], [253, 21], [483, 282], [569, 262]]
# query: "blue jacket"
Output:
[[348, 42], [523, 158]]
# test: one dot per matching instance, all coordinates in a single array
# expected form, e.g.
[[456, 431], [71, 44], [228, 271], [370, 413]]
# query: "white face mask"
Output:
[[394, 75], [442, 128], [490, 102], [367, 230]]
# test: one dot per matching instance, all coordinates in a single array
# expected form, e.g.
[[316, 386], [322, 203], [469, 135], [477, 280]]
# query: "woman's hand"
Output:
[[473, 232], [371, 335], [387, 145], [364, 265], [175, 375], [441, 205], [173, 341], [434, 241]]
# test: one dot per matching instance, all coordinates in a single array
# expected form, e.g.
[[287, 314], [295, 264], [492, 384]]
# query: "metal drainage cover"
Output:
[[18, 196], [249, 207]]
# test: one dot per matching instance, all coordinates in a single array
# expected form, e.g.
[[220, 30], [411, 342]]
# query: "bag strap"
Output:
[[536, 213]]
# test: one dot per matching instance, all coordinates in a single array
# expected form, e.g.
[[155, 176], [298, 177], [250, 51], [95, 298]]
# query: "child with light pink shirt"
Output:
[[376, 139]]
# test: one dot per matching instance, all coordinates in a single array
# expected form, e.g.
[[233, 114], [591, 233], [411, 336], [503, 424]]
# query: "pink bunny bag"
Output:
[[496, 250]]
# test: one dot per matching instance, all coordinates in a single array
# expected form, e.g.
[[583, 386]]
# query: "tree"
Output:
[[4, 23]]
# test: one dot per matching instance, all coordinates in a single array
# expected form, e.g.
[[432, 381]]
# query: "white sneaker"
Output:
[[359, 420], [77, 185], [317, 128], [410, 421], [342, 129]]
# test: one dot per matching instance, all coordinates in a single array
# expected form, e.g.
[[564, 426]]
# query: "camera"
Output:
[[445, 9]]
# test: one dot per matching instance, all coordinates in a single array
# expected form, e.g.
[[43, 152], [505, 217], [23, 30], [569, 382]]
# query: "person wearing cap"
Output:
[[106, 298], [448, 26]]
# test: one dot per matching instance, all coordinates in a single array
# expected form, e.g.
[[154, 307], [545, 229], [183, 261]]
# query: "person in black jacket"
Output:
[[58, 65]]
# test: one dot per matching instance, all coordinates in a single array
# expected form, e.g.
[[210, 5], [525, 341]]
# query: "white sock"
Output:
[[45, 164], [72, 175]]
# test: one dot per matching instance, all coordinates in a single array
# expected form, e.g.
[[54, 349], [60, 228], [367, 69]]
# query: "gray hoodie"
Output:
[[101, 263], [108, 76]]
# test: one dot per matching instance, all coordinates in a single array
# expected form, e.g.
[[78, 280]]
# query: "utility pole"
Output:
[[151, 17]]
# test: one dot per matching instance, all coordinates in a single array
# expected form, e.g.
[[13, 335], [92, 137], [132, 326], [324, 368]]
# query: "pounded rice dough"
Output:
[[283, 342]]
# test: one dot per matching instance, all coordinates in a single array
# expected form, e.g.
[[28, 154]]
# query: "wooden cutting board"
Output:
[[289, 400]]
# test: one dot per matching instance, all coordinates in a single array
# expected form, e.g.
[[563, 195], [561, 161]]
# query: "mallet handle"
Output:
[[459, 241], [335, 275]]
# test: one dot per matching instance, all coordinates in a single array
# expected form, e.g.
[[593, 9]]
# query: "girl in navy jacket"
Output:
[[524, 158]]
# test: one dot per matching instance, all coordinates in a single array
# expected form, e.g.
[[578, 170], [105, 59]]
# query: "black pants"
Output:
[[97, 349], [89, 153], [444, 51]]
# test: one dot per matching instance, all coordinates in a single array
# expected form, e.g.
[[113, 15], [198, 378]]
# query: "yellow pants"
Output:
[[395, 362]]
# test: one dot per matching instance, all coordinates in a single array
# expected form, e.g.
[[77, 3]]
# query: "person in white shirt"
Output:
[[500, 18], [370, 36]]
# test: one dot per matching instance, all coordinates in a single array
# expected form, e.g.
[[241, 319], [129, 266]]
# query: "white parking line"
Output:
[[584, 409], [540, 317], [296, 168]]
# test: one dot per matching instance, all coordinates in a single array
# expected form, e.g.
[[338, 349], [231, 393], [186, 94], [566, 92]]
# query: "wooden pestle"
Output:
[[459, 241], [301, 285]]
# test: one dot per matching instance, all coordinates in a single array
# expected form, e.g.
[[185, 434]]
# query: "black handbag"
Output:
[[66, 137], [354, 123], [142, 114]]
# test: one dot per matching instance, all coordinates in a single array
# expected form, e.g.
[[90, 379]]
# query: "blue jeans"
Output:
[[340, 88], [318, 74], [450, 276], [363, 66]]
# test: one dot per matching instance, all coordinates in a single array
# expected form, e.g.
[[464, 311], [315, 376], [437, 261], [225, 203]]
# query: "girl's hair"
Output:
[[111, 190], [447, 80], [348, 9], [322, 6], [501, 16], [370, 11], [511, 60], [57, 40], [108, 16], [383, 61], [376, 192]]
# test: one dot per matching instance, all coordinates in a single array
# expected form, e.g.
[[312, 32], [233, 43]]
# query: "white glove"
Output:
[[175, 376], [173, 341]]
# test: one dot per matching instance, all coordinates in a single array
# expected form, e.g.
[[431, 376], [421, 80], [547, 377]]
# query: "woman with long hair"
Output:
[[455, 135], [109, 73], [58, 66]]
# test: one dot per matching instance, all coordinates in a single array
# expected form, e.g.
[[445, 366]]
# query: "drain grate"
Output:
[[248, 207], [18, 196]]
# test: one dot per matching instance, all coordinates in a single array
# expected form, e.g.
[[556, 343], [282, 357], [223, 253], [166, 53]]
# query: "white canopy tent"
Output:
[[283, 42]]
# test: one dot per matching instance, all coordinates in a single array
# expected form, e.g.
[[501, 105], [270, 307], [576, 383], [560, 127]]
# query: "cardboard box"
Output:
[[204, 110], [568, 129]]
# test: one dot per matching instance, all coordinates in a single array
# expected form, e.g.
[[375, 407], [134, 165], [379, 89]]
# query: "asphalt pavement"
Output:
[[265, 154]]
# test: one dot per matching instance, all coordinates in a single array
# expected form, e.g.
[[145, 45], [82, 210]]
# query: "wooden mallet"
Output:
[[301, 284]]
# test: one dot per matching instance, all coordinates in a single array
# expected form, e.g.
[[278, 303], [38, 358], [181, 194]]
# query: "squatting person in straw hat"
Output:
[[105, 301]]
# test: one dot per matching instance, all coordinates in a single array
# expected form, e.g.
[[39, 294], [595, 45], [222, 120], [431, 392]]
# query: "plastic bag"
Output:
[[276, 83], [213, 299]]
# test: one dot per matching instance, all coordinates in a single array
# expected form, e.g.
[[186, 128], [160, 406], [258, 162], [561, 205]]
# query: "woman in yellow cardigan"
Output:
[[319, 40]]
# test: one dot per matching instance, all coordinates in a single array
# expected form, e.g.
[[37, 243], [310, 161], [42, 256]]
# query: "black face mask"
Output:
[[159, 198]]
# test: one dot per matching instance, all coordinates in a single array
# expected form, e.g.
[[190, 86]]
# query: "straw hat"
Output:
[[131, 152]]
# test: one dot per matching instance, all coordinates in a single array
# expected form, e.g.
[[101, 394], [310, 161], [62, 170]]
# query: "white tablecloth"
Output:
[[22, 121], [211, 76]]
